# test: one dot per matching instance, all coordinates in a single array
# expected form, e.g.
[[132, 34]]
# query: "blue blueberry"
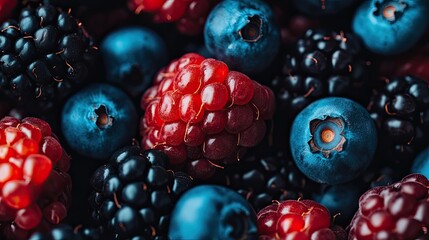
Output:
[[391, 26], [342, 199], [318, 7], [98, 120], [212, 212], [421, 163], [333, 140], [243, 34], [132, 56]]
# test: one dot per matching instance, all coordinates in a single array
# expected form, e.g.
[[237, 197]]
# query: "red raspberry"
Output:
[[201, 111], [34, 186], [189, 15], [397, 211], [292, 219], [6, 8]]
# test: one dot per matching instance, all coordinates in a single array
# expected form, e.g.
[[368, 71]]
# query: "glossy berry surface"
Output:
[[291, 219], [383, 24], [400, 108], [97, 120], [63, 231], [189, 15], [212, 212], [34, 185], [397, 211], [198, 110], [421, 163], [134, 194], [132, 56], [333, 140], [263, 176], [243, 34], [45, 55], [322, 7]]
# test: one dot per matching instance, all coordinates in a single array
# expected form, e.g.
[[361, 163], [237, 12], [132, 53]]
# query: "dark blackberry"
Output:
[[134, 194], [400, 108], [263, 177], [44, 55], [323, 63], [64, 231]]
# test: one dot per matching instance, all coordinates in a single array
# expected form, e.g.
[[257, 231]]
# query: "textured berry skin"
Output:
[[291, 219], [421, 163], [322, 7], [200, 111], [264, 176], [35, 188], [383, 24], [189, 15], [134, 194], [397, 211], [341, 199], [212, 212], [333, 140], [243, 34], [400, 108], [132, 56], [45, 55], [6, 8], [97, 120]]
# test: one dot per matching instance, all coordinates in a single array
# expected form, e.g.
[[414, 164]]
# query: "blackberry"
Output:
[[264, 177], [64, 231], [322, 63], [134, 194], [400, 108], [44, 55]]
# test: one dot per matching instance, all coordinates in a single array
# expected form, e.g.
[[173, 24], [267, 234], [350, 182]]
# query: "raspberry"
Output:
[[293, 219], [6, 8], [34, 186], [397, 211], [189, 15], [201, 111]]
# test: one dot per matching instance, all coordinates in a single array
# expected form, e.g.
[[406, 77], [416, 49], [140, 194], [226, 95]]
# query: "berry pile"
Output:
[[214, 119]]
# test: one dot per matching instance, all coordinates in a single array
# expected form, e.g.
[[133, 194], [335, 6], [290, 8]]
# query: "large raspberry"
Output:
[[397, 211], [189, 16], [34, 186], [291, 220], [201, 111]]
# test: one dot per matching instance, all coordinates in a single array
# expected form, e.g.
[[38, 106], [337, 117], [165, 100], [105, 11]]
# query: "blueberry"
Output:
[[391, 26], [243, 34], [132, 56], [333, 140], [98, 120], [212, 212], [421, 163], [342, 199], [318, 7]]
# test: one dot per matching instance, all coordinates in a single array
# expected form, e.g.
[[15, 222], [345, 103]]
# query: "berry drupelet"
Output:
[[397, 211], [200, 111], [189, 16], [135, 194], [44, 55], [400, 108], [34, 185], [302, 219]]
